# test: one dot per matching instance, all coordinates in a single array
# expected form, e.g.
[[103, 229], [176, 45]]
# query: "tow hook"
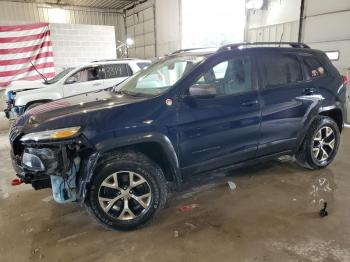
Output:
[[16, 182]]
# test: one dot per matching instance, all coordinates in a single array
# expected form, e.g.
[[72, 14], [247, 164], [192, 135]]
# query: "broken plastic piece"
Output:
[[323, 211], [16, 182], [232, 185], [187, 208]]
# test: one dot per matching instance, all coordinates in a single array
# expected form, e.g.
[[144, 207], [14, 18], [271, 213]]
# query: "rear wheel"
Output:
[[320, 145], [127, 192]]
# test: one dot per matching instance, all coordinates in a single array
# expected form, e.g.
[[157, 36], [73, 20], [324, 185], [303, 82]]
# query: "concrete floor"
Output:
[[272, 215]]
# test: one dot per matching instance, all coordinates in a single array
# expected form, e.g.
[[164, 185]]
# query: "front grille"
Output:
[[14, 133], [14, 136]]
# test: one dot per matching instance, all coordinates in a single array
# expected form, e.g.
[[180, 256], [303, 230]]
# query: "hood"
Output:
[[74, 110], [25, 85]]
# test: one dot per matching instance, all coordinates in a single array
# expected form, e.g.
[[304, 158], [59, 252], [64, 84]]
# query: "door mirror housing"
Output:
[[202, 91]]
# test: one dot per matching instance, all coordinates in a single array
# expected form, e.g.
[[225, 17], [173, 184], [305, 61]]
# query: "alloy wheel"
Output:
[[124, 195], [323, 143]]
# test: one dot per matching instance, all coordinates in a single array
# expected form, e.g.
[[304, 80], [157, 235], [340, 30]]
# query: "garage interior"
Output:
[[266, 212]]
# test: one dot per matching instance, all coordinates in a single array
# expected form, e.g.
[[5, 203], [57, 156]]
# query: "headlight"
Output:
[[52, 134]]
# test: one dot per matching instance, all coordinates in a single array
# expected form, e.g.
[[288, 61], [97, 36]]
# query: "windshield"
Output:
[[59, 76], [160, 76]]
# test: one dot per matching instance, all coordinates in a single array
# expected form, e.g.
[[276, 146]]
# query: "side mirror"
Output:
[[202, 91], [70, 80]]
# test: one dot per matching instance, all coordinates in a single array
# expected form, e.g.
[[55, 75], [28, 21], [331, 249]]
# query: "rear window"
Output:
[[280, 69], [314, 67], [142, 65]]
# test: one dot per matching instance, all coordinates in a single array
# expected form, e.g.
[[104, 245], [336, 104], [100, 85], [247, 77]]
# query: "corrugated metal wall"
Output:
[[140, 24], [31, 12], [275, 18], [326, 27], [274, 33]]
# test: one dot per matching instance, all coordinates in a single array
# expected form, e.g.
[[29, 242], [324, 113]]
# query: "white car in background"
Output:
[[101, 74]]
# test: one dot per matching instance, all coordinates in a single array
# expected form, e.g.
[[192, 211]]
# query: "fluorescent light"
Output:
[[129, 41], [333, 55]]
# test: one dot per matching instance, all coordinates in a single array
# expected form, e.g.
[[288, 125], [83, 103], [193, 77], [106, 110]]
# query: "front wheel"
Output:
[[320, 145], [127, 191]]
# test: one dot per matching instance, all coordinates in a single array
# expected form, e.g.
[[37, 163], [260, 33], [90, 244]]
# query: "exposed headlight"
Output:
[[52, 134]]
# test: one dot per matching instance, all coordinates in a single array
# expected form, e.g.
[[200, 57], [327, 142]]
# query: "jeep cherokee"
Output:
[[193, 111]]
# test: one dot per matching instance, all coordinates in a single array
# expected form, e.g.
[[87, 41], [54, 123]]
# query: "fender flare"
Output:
[[91, 163], [310, 120]]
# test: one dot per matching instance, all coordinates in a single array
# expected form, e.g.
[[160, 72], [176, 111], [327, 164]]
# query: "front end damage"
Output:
[[11, 111], [51, 164]]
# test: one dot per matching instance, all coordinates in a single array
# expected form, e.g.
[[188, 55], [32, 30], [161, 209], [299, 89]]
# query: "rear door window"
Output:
[[314, 67], [279, 69], [116, 70]]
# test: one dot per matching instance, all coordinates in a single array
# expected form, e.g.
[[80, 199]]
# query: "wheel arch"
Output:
[[43, 101], [336, 114], [333, 112], [157, 147]]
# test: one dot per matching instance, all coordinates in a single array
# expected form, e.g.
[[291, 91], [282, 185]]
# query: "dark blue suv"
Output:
[[120, 151]]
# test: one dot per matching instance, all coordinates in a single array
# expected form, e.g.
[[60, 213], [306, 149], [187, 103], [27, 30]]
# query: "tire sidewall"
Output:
[[325, 121], [124, 165]]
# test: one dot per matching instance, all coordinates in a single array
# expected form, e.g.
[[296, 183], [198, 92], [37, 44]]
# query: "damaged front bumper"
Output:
[[49, 164], [12, 112]]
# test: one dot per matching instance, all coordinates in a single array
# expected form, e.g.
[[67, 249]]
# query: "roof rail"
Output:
[[189, 49], [237, 45], [111, 60]]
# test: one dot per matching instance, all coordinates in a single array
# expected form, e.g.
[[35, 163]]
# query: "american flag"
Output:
[[19, 46]]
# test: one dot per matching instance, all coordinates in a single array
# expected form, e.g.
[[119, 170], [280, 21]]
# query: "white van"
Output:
[[24, 95]]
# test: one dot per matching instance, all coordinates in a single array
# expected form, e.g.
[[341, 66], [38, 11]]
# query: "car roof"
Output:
[[119, 60], [257, 46], [111, 61]]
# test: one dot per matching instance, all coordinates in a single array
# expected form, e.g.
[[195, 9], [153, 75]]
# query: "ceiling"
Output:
[[108, 4]]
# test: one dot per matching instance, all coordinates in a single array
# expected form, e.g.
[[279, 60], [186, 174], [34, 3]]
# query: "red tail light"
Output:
[[345, 80]]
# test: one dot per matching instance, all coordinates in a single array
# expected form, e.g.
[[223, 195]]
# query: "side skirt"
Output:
[[187, 171]]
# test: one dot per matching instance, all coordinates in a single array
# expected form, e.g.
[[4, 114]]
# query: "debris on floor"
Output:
[[36, 250], [231, 185], [176, 233], [323, 211], [187, 208], [190, 225]]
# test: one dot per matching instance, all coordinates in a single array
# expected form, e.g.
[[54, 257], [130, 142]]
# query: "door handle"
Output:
[[97, 84], [308, 91], [249, 103]]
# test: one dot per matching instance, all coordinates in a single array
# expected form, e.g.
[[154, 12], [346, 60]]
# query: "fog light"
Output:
[[32, 162]]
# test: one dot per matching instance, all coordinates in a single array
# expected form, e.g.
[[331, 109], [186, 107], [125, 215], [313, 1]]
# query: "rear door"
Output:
[[286, 100], [116, 73], [222, 129], [85, 80]]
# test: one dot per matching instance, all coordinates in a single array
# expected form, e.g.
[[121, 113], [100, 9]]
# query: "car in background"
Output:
[[96, 75]]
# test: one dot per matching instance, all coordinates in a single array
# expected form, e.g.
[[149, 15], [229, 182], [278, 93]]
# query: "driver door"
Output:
[[220, 127], [86, 80]]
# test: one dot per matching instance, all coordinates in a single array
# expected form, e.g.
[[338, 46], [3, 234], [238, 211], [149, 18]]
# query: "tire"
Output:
[[33, 105], [125, 167], [317, 142]]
